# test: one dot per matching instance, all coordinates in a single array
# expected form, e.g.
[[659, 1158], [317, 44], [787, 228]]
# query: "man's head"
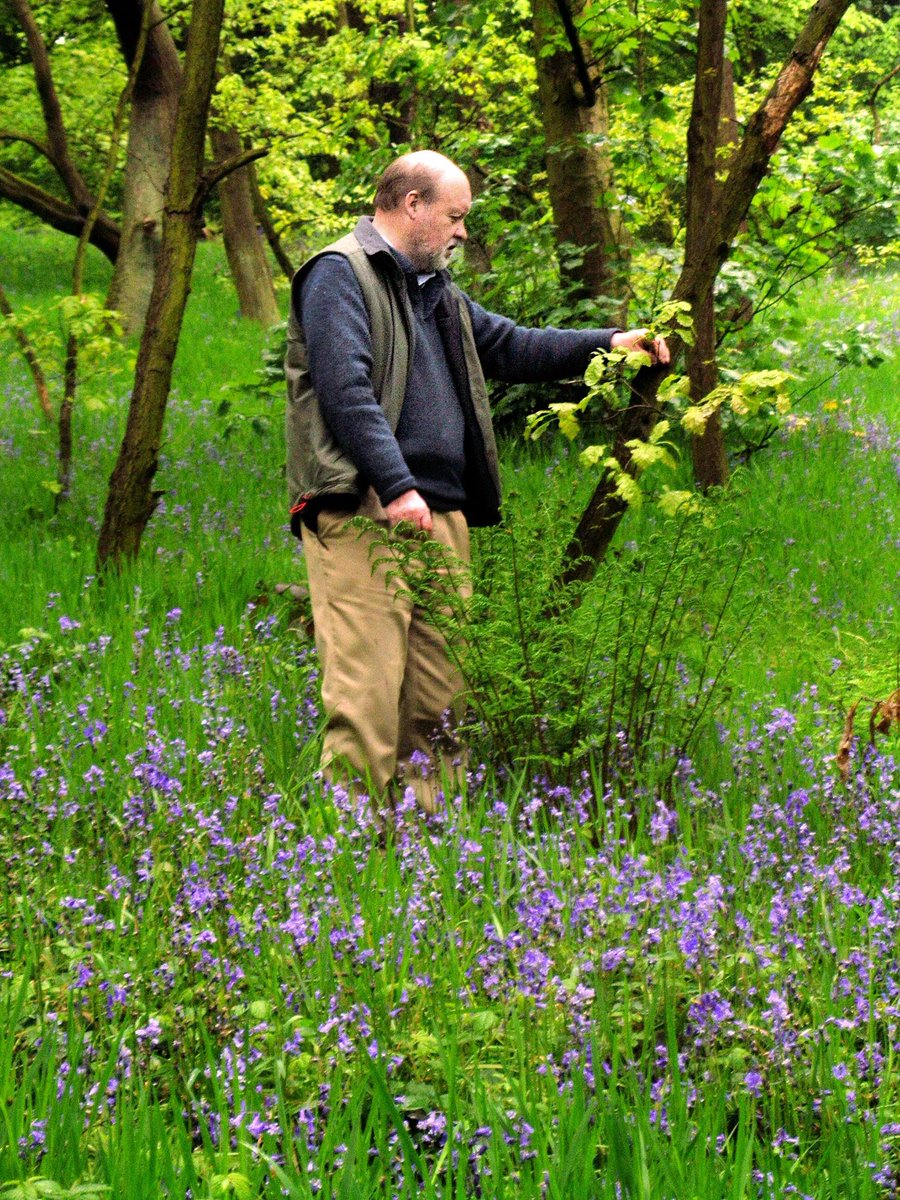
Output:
[[421, 203]]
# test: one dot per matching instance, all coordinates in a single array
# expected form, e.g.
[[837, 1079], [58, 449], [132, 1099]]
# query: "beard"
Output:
[[426, 259]]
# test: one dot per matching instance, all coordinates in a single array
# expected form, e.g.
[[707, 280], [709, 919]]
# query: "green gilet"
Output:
[[316, 465]]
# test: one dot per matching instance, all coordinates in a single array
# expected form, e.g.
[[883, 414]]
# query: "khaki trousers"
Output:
[[388, 675]]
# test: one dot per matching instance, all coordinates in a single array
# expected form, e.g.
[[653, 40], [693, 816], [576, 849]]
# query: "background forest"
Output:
[[651, 950]]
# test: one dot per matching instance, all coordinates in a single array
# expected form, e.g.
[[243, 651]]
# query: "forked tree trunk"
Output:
[[244, 247], [69, 217], [707, 450], [131, 501], [574, 111], [57, 140], [151, 126], [604, 510]]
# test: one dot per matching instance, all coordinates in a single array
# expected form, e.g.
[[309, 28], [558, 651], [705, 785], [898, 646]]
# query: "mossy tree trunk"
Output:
[[574, 111], [600, 519], [244, 246], [130, 501], [151, 126]]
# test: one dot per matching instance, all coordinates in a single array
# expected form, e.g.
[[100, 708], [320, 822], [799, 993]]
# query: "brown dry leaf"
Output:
[[884, 714], [843, 754]]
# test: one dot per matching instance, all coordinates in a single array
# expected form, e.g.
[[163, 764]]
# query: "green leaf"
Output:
[[628, 489], [592, 455], [694, 419], [567, 416], [596, 370], [674, 502], [644, 454], [635, 359], [764, 379], [233, 1184]]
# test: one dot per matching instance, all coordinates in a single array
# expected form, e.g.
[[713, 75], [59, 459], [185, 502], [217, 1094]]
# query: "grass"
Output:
[[217, 981]]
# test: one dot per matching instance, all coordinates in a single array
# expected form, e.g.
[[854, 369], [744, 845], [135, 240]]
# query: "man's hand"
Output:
[[412, 508], [637, 339]]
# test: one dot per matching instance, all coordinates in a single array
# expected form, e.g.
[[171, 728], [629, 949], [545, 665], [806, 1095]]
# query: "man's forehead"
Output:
[[455, 191]]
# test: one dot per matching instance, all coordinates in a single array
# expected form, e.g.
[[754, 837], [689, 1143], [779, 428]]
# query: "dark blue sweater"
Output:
[[427, 450]]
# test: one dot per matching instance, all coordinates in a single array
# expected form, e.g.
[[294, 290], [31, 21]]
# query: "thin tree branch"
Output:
[[56, 132], [873, 103], [58, 213], [581, 69], [217, 172], [261, 212], [29, 353], [10, 135]]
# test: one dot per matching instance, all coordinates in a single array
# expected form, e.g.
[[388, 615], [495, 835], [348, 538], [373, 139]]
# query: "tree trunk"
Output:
[[130, 502], [153, 108], [707, 450], [604, 510], [244, 247], [579, 173]]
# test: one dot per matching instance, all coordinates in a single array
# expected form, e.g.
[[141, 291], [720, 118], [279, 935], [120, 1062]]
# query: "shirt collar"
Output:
[[422, 277]]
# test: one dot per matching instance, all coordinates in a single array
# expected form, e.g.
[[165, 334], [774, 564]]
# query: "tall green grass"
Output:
[[217, 980]]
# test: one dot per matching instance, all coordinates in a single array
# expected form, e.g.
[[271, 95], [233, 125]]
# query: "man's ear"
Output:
[[411, 202]]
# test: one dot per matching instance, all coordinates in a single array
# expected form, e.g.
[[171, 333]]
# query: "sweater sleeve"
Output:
[[339, 344], [518, 355]]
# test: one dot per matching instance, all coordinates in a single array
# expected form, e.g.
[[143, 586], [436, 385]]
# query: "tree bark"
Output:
[[708, 455], [600, 519], [151, 127], [130, 500], [244, 247], [703, 139], [574, 111]]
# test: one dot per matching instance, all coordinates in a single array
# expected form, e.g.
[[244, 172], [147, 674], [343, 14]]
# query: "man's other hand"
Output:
[[638, 339], [412, 508]]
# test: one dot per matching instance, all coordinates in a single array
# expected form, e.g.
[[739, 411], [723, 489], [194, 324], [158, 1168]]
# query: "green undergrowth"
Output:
[[650, 951]]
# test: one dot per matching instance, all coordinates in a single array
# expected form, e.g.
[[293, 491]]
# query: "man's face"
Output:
[[438, 227]]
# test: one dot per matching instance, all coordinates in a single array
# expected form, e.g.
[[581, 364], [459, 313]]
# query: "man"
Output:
[[388, 418]]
